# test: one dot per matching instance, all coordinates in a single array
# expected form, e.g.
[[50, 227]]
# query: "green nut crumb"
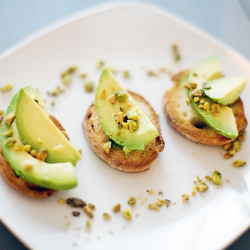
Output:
[[106, 147], [239, 163], [237, 145], [88, 211], [216, 177], [8, 133], [175, 50], [88, 224], [1, 112], [116, 208], [127, 214], [10, 142], [7, 87], [132, 115], [66, 78], [99, 64], [201, 187], [83, 75], [152, 73], [89, 86], [106, 216], [126, 74], [185, 198], [92, 206], [72, 69], [121, 96], [132, 125], [132, 200], [9, 119]]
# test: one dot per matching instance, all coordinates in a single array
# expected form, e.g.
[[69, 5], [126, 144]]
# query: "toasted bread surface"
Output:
[[23, 186], [136, 160], [186, 120]]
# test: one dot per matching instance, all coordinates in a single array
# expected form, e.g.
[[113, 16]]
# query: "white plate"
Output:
[[127, 37]]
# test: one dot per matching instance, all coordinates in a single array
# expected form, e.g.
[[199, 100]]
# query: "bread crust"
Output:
[[17, 182], [136, 160], [205, 135]]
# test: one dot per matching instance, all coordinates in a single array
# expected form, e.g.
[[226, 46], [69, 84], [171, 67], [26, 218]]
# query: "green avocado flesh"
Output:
[[224, 123], [136, 140], [36, 129], [226, 90], [59, 176]]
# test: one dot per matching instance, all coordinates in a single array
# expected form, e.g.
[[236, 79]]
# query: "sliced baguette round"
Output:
[[136, 160], [17, 182], [186, 121]]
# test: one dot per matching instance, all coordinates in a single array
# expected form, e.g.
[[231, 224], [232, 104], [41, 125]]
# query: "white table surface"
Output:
[[224, 19]]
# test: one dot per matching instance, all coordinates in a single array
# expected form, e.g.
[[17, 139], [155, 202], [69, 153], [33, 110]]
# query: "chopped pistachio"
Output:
[[66, 78], [185, 198], [8, 133], [150, 191], [121, 96], [202, 101], [28, 167], [88, 224], [89, 86], [160, 202], [152, 73], [7, 87], [27, 148], [196, 99], [92, 206], [17, 147], [1, 112], [119, 117], [126, 74], [125, 125], [88, 211], [10, 142], [239, 163], [102, 94], [200, 106], [59, 148], [52, 103], [227, 156], [112, 99], [127, 214], [208, 177], [216, 177], [193, 192], [33, 153], [116, 208], [132, 200], [201, 187], [227, 146], [206, 106], [197, 92], [205, 86], [231, 151], [237, 145], [132, 115], [10, 118], [132, 125], [175, 50], [215, 107], [106, 216], [193, 85], [99, 64], [76, 213], [72, 69], [187, 100], [106, 147], [83, 75], [186, 85], [42, 154], [153, 207], [76, 202], [61, 201]]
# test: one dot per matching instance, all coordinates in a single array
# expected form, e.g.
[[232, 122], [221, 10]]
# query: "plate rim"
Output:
[[95, 9]]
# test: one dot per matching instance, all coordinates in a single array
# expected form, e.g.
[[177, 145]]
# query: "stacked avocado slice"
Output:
[[210, 94], [31, 128]]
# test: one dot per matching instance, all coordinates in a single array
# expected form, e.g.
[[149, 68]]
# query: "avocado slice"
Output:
[[59, 176], [36, 129], [226, 90], [107, 108], [224, 123]]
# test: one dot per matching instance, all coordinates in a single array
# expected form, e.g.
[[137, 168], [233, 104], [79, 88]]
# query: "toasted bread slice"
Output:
[[18, 182], [185, 119], [136, 160]]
